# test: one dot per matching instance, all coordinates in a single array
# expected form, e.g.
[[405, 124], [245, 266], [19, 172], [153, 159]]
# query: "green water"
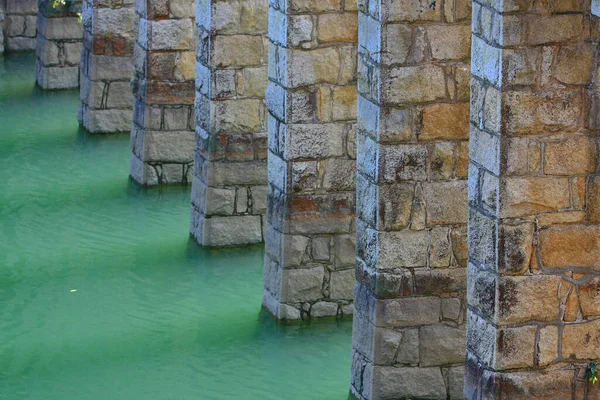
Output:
[[103, 296]]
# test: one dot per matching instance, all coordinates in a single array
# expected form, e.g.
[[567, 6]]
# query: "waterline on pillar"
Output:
[[154, 315]]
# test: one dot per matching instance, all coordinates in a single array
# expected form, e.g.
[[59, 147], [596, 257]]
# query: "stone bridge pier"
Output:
[[162, 137], [413, 151], [107, 66], [534, 201], [311, 98], [428, 166], [58, 45], [20, 24], [2, 25], [229, 192]]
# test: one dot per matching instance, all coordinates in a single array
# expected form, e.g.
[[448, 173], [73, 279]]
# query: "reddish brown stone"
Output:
[[171, 92], [566, 246], [112, 45]]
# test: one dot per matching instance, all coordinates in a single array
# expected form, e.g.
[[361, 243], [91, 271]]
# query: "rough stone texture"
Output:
[[412, 150], [533, 233], [311, 100], [162, 137], [230, 166], [2, 25], [20, 25], [107, 66], [58, 45]]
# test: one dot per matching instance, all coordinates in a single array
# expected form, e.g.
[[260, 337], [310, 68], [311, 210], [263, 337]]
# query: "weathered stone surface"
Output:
[[580, 340], [446, 121], [229, 231], [549, 384], [324, 309], [302, 284], [342, 284], [532, 113], [589, 298], [527, 298], [231, 137], [516, 348], [565, 246], [107, 68], [548, 345], [19, 25], [406, 382], [409, 311], [446, 202], [516, 244], [532, 228], [311, 102], [593, 207], [163, 117], [527, 196], [575, 155], [402, 249], [412, 203], [441, 344], [416, 84], [58, 47], [456, 378]]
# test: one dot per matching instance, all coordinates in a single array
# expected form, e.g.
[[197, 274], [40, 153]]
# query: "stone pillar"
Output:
[[20, 28], [229, 191], [162, 136], [534, 196], [107, 66], [309, 256], [412, 147], [58, 46], [2, 24]]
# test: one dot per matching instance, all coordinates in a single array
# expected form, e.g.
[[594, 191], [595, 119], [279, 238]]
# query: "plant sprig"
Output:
[[591, 371], [63, 3]]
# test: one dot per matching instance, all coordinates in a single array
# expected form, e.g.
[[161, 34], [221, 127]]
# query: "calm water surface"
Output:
[[102, 295]]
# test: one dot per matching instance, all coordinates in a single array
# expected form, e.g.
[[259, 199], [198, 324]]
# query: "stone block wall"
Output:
[[58, 45], [229, 192], [20, 25], [107, 66], [162, 137], [412, 147], [534, 273], [2, 24], [311, 97]]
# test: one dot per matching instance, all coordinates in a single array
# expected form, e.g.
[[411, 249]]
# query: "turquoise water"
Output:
[[103, 296]]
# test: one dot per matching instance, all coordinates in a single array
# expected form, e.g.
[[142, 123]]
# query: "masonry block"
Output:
[[532, 232], [230, 174], [312, 102], [58, 45], [20, 25], [107, 66], [412, 200], [162, 136]]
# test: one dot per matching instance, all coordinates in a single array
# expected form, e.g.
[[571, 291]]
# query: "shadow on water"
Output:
[[103, 295]]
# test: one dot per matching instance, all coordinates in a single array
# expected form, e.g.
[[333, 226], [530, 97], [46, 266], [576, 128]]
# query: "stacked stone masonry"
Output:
[[107, 66], [491, 123], [162, 137], [229, 192], [58, 45], [20, 24], [2, 24], [412, 147], [311, 98], [534, 196]]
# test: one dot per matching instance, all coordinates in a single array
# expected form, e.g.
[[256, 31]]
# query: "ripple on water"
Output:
[[102, 296]]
